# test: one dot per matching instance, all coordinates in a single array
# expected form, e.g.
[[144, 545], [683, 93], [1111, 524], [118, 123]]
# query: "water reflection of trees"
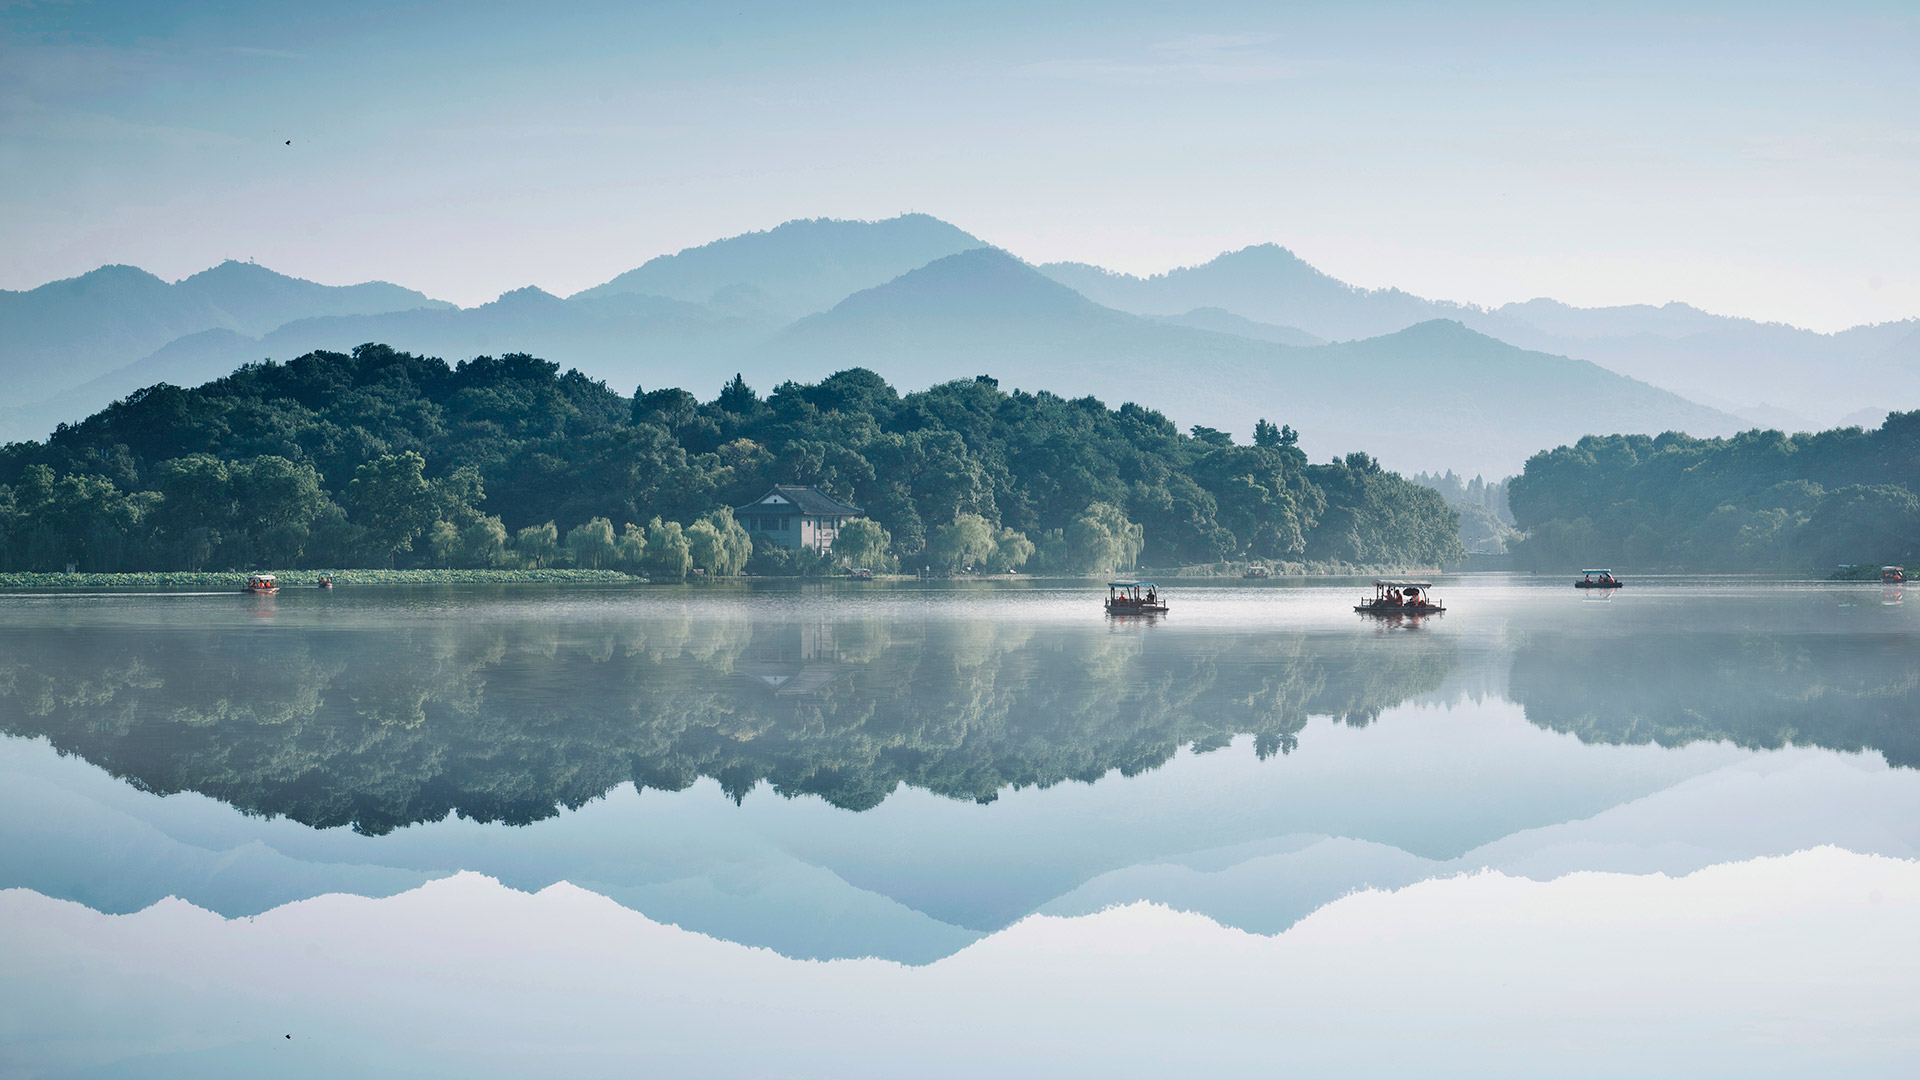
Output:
[[507, 722], [1765, 691]]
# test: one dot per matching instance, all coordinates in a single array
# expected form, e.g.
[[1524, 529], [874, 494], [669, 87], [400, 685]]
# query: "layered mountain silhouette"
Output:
[[1771, 372], [1431, 392], [1426, 384], [1266, 283], [68, 332], [797, 268]]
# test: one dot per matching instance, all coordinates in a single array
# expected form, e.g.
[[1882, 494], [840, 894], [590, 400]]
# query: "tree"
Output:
[[737, 397], [633, 549], [443, 540], [592, 545], [965, 543], [483, 542], [537, 545], [1102, 538], [718, 544], [1011, 550], [862, 542], [668, 555], [392, 501]]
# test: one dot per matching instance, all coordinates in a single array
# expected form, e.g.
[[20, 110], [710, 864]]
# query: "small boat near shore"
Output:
[[261, 585], [1134, 598], [1598, 579], [1256, 572], [1395, 598], [325, 582], [1893, 575]]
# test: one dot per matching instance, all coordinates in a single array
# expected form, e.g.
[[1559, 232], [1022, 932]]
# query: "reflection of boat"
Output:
[[326, 581], [261, 584], [1893, 575], [1134, 598], [1606, 580], [1401, 598], [1256, 572], [1891, 597]]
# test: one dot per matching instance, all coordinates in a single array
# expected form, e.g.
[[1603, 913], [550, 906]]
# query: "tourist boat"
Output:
[[1893, 575], [1605, 580], [1393, 598], [326, 581], [860, 573], [1256, 572], [262, 584], [1134, 598]]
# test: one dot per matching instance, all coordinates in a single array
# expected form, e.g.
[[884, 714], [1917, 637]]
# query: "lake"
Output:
[[938, 829]]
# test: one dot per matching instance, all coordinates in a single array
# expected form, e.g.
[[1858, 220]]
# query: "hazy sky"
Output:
[[1755, 159]]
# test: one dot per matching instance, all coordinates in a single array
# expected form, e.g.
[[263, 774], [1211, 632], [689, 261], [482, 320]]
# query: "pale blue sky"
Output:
[[1755, 159]]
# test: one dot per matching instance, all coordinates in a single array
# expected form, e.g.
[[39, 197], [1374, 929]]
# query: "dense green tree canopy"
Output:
[[337, 459], [1758, 500]]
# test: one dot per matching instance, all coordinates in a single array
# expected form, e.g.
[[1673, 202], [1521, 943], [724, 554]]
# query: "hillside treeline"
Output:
[[1486, 521], [382, 458], [1756, 501]]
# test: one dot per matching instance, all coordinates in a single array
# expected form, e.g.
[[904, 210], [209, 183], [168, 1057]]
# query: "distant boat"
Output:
[[1893, 575], [860, 573], [1256, 572], [1134, 598], [325, 582], [1605, 580], [1392, 598], [261, 585]]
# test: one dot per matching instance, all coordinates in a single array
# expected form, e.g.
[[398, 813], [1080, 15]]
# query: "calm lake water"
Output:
[[527, 831]]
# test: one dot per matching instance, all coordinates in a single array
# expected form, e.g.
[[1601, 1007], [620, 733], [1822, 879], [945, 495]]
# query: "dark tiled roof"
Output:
[[805, 500]]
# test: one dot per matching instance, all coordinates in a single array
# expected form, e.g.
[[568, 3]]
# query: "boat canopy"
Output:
[[1403, 584], [1133, 584], [259, 577], [1596, 571], [1884, 569]]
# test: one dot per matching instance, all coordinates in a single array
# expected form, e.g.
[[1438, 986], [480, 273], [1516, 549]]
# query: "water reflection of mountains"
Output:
[[379, 728]]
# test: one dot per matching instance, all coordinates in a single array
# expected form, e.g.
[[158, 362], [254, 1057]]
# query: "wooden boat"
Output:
[[1395, 598], [261, 585], [1893, 575], [1256, 572], [1134, 598], [1605, 580]]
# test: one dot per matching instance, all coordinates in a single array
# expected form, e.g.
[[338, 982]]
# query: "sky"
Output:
[[1758, 159]]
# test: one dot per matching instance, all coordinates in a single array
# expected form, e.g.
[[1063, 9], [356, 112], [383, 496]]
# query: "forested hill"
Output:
[[1758, 500], [381, 457]]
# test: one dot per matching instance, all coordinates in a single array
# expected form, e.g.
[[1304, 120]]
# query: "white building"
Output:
[[796, 517]]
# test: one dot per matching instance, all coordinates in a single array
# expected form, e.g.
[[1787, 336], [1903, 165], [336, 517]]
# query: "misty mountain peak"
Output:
[[984, 282], [524, 298], [800, 266]]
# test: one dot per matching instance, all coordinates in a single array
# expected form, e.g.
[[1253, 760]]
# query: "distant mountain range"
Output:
[[796, 269], [1435, 391], [1777, 373], [1425, 384], [63, 334]]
